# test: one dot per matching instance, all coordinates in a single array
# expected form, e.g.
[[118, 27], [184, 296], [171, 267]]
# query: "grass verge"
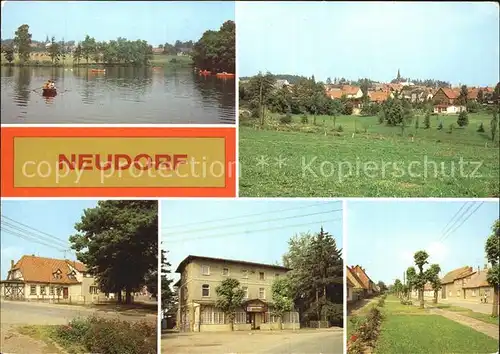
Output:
[[468, 312]]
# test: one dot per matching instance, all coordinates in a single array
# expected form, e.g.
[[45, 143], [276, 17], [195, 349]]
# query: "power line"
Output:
[[252, 231], [260, 221], [463, 221], [454, 223], [33, 229], [255, 214], [453, 218], [24, 237], [33, 235]]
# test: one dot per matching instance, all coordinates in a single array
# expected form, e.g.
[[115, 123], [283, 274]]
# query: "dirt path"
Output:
[[12, 342], [480, 326]]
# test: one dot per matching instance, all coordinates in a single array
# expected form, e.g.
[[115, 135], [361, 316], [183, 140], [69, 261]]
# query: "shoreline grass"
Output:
[[45, 61]]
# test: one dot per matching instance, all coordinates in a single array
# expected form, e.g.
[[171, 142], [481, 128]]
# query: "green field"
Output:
[[43, 59], [408, 329], [368, 159]]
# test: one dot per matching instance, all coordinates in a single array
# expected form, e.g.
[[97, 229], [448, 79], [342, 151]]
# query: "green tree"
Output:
[[398, 288], [463, 119], [282, 297], [427, 120], [420, 259], [167, 295], [432, 276], [463, 96], [316, 276], [88, 47], [382, 286], [8, 52], [22, 42], [77, 54], [411, 276], [492, 249], [229, 298], [54, 50], [118, 242], [328, 81], [480, 96], [494, 125]]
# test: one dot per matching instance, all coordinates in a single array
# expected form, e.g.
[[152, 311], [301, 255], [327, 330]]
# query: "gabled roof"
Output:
[[191, 258], [458, 273], [478, 280], [41, 269], [360, 283], [378, 96], [450, 93], [350, 90]]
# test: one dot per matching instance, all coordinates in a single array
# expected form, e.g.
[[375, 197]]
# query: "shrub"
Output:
[[340, 129], [427, 121], [99, 335], [451, 127], [440, 126], [286, 119], [304, 119], [463, 119], [481, 128]]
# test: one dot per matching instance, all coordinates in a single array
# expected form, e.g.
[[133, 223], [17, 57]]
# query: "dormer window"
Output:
[[57, 274]]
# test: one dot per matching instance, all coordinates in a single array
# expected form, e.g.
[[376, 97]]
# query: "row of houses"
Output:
[[199, 278], [42, 279], [465, 283], [359, 284]]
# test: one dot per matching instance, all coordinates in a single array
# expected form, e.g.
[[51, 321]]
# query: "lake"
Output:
[[121, 95]]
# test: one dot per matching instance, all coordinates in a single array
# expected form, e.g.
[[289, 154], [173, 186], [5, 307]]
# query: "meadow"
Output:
[[43, 59], [355, 156]]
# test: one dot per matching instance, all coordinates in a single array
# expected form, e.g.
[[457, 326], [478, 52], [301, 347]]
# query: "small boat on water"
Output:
[[205, 72], [49, 92], [98, 70], [225, 75]]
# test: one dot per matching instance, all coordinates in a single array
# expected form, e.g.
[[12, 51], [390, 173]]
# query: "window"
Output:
[[262, 293], [33, 290], [245, 289], [93, 290], [43, 290], [205, 270], [473, 292], [225, 271], [245, 273], [261, 276], [51, 290], [58, 290], [205, 290]]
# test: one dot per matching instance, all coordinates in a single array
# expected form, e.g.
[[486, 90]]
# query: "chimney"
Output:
[[11, 263]]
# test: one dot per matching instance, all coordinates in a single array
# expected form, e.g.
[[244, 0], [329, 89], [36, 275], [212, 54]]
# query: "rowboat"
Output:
[[225, 75], [49, 92], [205, 72], [98, 70]]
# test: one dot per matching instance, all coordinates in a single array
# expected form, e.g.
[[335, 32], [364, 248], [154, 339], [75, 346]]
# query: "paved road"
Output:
[[27, 313], [255, 342], [318, 343], [476, 307]]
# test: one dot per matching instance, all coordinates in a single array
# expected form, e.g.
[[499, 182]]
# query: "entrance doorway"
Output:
[[255, 319], [65, 293]]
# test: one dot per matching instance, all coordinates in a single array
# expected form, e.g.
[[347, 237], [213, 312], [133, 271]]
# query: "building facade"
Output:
[[47, 279], [200, 276]]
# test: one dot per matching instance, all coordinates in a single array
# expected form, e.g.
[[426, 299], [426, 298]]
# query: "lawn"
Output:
[[430, 334], [367, 159]]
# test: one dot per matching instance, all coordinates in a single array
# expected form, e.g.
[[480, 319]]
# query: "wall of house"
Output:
[[195, 279], [349, 293], [440, 97]]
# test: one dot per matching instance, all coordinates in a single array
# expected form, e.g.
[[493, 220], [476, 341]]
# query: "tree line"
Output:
[[313, 288], [417, 278], [215, 50]]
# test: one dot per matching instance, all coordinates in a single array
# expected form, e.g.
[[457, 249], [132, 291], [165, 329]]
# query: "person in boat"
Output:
[[52, 85], [46, 85]]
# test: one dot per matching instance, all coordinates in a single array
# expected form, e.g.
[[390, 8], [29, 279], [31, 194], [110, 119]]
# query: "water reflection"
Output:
[[120, 95]]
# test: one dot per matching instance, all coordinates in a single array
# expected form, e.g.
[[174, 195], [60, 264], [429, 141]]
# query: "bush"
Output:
[[340, 129], [286, 119], [463, 119], [99, 335], [481, 128], [473, 107], [406, 302], [304, 119], [440, 126], [427, 121], [451, 127]]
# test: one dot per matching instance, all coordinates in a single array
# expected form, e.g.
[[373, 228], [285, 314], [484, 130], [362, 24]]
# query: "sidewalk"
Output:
[[85, 308], [480, 326]]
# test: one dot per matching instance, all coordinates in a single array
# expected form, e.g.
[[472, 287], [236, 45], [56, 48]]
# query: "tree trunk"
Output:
[[231, 321], [435, 296], [421, 291], [494, 312], [128, 296], [280, 323], [317, 305], [119, 296]]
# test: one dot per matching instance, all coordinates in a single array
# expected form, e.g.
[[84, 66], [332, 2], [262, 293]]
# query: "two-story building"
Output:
[[200, 277], [35, 278]]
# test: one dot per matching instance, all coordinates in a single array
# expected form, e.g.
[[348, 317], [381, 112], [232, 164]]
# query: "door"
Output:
[[65, 293], [464, 292], [252, 320]]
